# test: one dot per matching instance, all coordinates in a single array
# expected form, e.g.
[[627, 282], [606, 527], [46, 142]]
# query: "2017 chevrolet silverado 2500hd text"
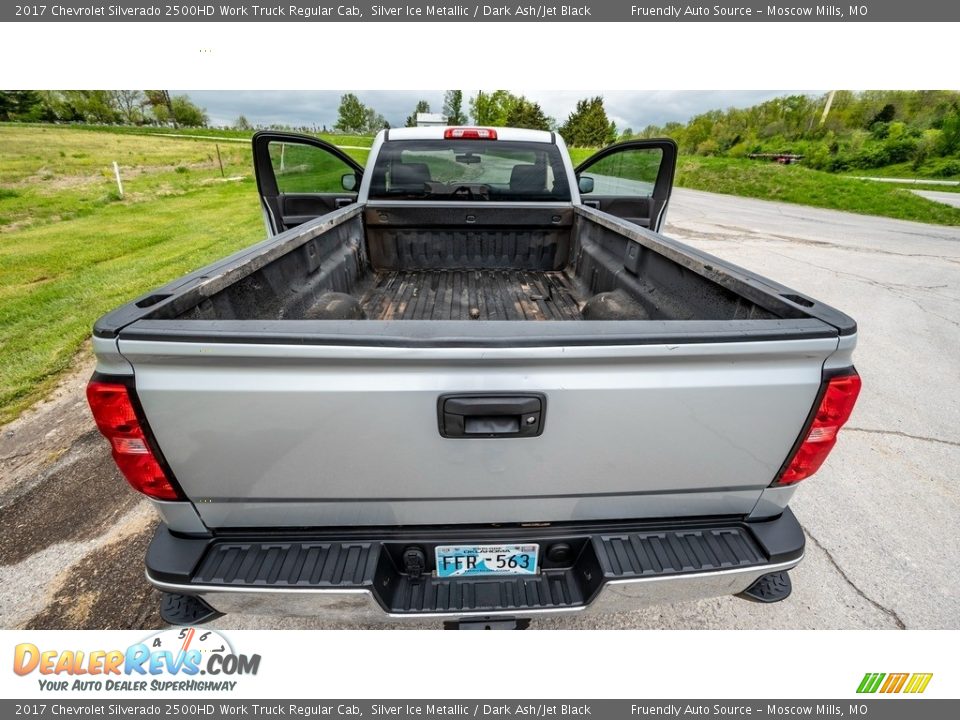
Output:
[[469, 382]]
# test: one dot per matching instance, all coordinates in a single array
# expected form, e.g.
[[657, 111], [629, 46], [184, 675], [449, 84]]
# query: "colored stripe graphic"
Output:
[[894, 683], [870, 682], [918, 683]]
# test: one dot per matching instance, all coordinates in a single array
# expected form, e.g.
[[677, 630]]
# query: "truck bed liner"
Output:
[[488, 294]]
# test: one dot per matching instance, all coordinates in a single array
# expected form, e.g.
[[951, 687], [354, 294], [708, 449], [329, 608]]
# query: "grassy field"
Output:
[[72, 249], [797, 184], [225, 134], [902, 170]]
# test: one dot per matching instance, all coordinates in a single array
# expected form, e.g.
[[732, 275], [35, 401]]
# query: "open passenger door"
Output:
[[632, 180], [300, 178]]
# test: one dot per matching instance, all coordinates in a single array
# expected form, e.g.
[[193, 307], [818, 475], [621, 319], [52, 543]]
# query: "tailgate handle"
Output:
[[491, 416]]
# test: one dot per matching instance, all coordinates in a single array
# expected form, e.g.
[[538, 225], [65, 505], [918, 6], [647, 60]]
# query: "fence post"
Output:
[[116, 172]]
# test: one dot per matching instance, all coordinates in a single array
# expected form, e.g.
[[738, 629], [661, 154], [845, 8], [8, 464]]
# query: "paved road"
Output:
[[907, 181], [947, 198], [881, 517]]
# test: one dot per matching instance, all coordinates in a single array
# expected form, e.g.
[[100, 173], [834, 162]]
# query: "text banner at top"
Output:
[[428, 11]]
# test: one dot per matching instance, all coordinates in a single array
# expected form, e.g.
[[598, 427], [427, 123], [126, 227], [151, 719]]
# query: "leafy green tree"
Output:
[[187, 114], [950, 132], [492, 108], [373, 121], [95, 106], [453, 107], [129, 104], [351, 115], [241, 123], [524, 113], [886, 114], [422, 107], [588, 125], [161, 106], [20, 105]]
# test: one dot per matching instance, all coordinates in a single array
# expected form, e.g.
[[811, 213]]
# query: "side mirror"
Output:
[[349, 182], [585, 183]]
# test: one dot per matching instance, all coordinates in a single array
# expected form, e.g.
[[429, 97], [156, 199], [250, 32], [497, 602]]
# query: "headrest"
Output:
[[528, 178], [409, 176]]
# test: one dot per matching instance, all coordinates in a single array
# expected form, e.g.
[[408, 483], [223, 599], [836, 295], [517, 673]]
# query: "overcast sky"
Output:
[[308, 108]]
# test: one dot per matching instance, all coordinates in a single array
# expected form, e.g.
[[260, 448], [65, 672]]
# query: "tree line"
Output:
[[837, 131], [586, 126], [103, 107]]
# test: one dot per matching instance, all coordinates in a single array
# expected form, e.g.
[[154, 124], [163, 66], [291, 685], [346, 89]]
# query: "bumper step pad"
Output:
[[771, 588], [177, 609], [598, 557]]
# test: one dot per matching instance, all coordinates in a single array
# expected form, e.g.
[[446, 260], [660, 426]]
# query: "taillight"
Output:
[[834, 410], [463, 133], [116, 418]]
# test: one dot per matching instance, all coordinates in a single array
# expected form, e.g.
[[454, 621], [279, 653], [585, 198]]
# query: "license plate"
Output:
[[470, 560]]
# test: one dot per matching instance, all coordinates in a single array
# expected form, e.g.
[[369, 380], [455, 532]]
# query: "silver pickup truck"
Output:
[[469, 382]]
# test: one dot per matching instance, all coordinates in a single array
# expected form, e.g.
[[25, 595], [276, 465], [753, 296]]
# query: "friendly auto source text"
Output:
[[766, 11], [677, 11]]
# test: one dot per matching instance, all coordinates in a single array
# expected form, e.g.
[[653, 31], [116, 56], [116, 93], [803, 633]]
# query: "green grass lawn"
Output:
[[226, 134], [57, 278], [796, 184], [906, 170], [72, 249], [935, 188]]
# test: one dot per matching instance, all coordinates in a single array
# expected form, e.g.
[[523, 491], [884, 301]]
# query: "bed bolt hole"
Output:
[[561, 553]]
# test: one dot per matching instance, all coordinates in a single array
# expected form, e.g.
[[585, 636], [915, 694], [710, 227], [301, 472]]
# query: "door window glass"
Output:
[[627, 172], [301, 168]]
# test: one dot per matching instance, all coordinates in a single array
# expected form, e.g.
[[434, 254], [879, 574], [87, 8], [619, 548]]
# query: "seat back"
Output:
[[409, 176], [528, 178]]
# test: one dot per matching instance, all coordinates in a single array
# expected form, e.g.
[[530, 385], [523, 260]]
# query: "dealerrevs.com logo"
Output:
[[170, 660]]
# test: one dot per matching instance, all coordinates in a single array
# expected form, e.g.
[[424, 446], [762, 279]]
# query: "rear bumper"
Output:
[[610, 568]]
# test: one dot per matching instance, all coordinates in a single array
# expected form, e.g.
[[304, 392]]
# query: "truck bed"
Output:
[[504, 265], [257, 398], [476, 294]]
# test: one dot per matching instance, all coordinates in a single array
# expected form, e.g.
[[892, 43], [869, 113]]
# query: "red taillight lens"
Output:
[[460, 133], [834, 410], [117, 420]]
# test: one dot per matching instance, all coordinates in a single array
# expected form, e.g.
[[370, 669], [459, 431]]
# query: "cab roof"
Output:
[[437, 132]]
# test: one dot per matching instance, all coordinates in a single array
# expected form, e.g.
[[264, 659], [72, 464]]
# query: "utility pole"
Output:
[[826, 109]]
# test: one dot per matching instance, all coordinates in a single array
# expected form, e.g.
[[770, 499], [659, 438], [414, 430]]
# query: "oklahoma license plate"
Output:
[[468, 560]]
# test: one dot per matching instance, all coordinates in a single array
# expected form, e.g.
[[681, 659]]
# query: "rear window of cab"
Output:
[[469, 170]]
